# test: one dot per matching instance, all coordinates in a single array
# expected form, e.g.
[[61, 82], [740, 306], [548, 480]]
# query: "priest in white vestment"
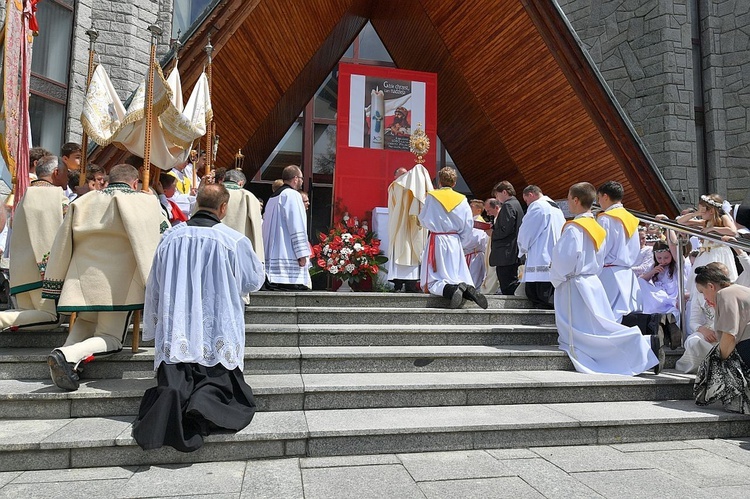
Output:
[[621, 251], [195, 314], [586, 326], [539, 231], [285, 235], [38, 217], [406, 238], [476, 249], [98, 267], [446, 214]]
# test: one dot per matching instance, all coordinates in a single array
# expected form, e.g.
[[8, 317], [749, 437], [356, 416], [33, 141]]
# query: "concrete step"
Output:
[[395, 315], [292, 335], [89, 442], [39, 399], [366, 300], [31, 363]]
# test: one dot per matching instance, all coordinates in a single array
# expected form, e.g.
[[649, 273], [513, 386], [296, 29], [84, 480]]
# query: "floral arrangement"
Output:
[[348, 251]]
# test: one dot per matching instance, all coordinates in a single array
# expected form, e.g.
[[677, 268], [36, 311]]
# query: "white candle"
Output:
[[377, 116]]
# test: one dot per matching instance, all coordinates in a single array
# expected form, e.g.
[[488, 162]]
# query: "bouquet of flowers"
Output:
[[348, 251]]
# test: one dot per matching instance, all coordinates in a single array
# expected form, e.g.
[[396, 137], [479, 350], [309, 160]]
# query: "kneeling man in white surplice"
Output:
[[587, 329]]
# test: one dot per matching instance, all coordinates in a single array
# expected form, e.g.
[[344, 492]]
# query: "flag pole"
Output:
[[93, 35], [209, 128], [146, 176], [149, 108]]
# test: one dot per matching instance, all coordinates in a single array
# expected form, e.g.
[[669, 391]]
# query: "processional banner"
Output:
[[378, 109]]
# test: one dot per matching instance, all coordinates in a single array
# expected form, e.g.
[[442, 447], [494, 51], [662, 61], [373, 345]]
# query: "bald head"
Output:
[[399, 172]]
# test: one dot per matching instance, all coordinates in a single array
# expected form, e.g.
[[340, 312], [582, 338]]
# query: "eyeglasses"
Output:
[[303, 178]]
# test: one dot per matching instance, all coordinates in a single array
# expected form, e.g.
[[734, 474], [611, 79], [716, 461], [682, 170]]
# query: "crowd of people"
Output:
[[189, 249], [612, 282]]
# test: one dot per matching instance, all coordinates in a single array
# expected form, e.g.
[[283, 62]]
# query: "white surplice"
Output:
[[285, 238], [194, 309], [406, 238], [587, 329], [452, 230], [475, 255], [620, 254], [539, 231]]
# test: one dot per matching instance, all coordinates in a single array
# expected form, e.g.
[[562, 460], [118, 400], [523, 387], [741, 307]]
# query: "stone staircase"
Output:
[[357, 373]]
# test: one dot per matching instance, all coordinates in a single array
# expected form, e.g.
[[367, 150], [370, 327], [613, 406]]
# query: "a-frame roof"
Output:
[[518, 99]]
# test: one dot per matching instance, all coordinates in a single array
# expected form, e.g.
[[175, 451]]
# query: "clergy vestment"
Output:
[[406, 238], [285, 238], [475, 255], [99, 265], [587, 329], [195, 314], [622, 247], [540, 229], [447, 215], [244, 216], [38, 217], [184, 182]]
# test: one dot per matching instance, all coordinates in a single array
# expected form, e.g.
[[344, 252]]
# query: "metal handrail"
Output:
[[677, 227]]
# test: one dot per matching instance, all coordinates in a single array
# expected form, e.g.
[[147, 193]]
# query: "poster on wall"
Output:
[[387, 114], [378, 109]]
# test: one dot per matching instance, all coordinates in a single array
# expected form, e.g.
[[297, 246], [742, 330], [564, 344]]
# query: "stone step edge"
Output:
[[396, 310], [322, 352], [283, 384], [314, 424]]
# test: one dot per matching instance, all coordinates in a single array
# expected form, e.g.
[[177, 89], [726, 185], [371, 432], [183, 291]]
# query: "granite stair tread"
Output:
[[347, 431], [293, 383]]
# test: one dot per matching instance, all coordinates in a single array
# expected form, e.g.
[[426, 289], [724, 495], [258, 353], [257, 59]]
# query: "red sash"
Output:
[[431, 248]]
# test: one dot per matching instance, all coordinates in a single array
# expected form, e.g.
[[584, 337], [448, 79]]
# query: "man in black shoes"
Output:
[[447, 215]]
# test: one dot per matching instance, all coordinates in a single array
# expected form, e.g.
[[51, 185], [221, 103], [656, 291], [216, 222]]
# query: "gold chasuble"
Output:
[[448, 198], [628, 221], [592, 228], [244, 216]]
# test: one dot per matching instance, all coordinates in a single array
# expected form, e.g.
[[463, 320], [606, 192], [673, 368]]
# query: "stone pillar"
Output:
[[725, 36], [643, 50]]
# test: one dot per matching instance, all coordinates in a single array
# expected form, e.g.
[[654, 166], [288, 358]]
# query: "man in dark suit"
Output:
[[504, 252]]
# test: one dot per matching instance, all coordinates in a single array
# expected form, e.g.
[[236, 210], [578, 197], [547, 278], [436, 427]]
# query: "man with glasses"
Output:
[[287, 250]]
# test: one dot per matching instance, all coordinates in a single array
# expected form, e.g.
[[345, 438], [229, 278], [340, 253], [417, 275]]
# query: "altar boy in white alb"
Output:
[[622, 248], [587, 329], [539, 231], [195, 314], [285, 235], [447, 216]]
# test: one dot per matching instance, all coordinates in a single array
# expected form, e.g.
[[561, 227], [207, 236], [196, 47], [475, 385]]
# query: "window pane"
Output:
[[324, 153], [370, 46], [51, 56], [47, 123], [288, 152], [185, 13], [326, 98]]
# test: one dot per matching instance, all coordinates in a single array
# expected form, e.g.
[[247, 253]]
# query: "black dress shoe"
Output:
[[62, 372], [657, 346], [472, 294], [455, 293], [672, 332]]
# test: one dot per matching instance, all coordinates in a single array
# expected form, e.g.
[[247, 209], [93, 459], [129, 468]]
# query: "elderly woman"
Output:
[[724, 374]]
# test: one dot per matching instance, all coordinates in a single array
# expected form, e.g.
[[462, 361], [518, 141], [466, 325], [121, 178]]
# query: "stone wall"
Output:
[[726, 80], [643, 50]]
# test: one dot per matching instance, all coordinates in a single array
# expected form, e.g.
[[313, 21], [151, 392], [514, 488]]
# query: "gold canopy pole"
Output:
[[93, 35], [146, 176], [209, 128]]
